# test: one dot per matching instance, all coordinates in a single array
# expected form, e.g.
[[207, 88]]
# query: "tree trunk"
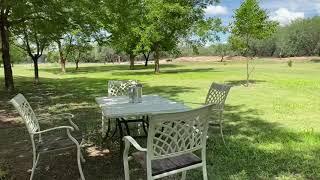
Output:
[[63, 65], [77, 64], [247, 84], [156, 60], [77, 60], [6, 53], [119, 59], [62, 59], [221, 60], [131, 56], [36, 70], [146, 57]]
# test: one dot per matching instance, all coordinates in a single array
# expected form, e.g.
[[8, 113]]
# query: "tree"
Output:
[[146, 57], [36, 30], [64, 47], [221, 50], [79, 45], [74, 16], [250, 22], [35, 40], [167, 22], [300, 38], [12, 12], [122, 18], [17, 55]]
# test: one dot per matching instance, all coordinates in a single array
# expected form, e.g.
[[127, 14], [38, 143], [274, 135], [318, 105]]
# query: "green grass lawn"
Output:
[[272, 126]]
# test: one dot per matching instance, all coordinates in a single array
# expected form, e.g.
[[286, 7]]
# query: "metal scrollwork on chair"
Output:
[[120, 87], [172, 140]]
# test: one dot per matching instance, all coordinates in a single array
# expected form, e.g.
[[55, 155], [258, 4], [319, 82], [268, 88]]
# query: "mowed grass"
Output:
[[272, 127]]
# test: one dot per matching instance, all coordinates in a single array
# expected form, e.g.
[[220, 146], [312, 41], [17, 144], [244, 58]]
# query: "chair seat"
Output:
[[160, 166], [52, 143]]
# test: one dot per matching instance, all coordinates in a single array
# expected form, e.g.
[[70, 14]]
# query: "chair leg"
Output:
[[35, 161], [126, 161], [221, 132], [78, 154], [79, 162], [204, 172], [184, 174], [82, 158]]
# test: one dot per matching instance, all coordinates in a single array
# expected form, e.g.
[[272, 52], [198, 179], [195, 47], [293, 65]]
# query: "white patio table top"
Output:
[[119, 106]]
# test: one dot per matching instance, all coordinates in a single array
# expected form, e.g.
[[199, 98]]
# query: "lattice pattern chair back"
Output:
[[217, 95], [120, 88], [26, 112], [174, 134]]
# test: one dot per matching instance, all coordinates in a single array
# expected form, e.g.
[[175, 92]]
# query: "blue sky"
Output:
[[283, 11]]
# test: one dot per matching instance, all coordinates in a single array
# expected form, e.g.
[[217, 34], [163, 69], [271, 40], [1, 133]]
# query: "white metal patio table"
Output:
[[119, 107]]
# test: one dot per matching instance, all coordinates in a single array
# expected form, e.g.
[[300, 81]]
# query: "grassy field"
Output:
[[272, 126]]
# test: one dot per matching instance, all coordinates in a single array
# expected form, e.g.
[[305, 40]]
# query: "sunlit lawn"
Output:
[[272, 127]]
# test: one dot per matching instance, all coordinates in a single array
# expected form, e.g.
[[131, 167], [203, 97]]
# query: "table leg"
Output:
[[104, 131], [120, 137], [103, 128], [115, 129], [127, 126], [145, 122]]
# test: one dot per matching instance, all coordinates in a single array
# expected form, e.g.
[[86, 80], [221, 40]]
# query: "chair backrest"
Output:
[[120, 87], [24, 109], [218, 94], [173, 134]]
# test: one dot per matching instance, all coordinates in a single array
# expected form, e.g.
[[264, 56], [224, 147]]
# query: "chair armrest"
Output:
[[55, 128], [68, 116], [129, 140]]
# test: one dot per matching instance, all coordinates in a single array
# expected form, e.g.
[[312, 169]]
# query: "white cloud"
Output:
[[285, 17], [216, 10], [317, 6]]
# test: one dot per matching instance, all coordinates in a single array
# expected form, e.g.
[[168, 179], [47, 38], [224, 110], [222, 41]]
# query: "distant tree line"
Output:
[[300, 38]]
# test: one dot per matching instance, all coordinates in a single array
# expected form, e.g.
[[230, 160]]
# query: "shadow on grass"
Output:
[[315, 60], [243, 82], [103, 68], [258, 149], [169, 71]]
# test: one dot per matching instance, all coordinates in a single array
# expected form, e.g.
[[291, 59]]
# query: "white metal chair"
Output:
[[217, 95], [121, 88], [172, 140], [44, 143]]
